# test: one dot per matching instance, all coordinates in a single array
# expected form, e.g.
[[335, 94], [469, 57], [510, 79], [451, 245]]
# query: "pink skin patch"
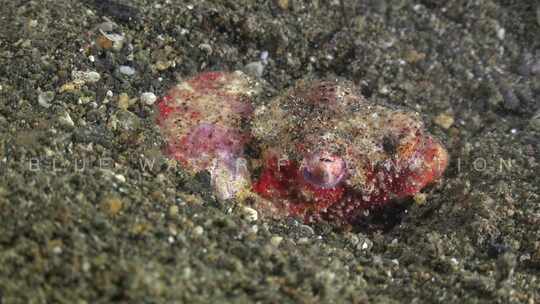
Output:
[[200, 120], [323, 170], [206, 142]]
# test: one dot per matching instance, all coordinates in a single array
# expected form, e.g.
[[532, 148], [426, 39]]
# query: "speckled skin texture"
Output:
[[202, 118], [327, 152], [331, 154]]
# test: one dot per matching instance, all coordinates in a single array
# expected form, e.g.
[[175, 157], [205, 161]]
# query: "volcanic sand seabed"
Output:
[[86, 215]]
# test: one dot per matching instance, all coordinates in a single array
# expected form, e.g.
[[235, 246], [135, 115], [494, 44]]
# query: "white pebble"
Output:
[[250, 214], [198, 231], [148, 98], [501, 33], [264, 57], [86, 76], [57, 249], [126, 70], [120, 178]]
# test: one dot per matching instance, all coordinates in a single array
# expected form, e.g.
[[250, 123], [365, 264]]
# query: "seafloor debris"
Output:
[[327, 153]]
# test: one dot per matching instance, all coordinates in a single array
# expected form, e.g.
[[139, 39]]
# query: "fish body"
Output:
[[327, 153]]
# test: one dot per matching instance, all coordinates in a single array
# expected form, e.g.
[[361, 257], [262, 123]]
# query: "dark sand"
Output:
[[114, 231]]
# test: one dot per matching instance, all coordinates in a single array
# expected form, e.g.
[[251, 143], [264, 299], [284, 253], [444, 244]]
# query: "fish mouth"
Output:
[[323, 170]]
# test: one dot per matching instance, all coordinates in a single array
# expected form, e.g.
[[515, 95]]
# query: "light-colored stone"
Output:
[[444, 120], [148, 98], [250, 214]]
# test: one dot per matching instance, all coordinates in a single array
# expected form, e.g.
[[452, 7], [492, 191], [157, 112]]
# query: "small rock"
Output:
[[283, 4], [250, 214], [55, 246], [123, 101], [191, 198], [444, 120], [524, 69], [162, 65], [112, 205], [364, 243], [66, 120], [198, 231], [126, 70], [413, 56], [207, 48], [501, 33], [120, 178], [85, 76], [254, 69], [276, 240], [264, 57], [107, 26], [529, 64], [103, 42], [45, 98], [118, 45], [173, 210], [69, 87], [127, 121], [148, 98], [303, 240], [33, 23]]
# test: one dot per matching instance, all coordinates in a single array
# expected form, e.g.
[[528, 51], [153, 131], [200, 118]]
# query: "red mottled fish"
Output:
[[202, 120], [327, 153]]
